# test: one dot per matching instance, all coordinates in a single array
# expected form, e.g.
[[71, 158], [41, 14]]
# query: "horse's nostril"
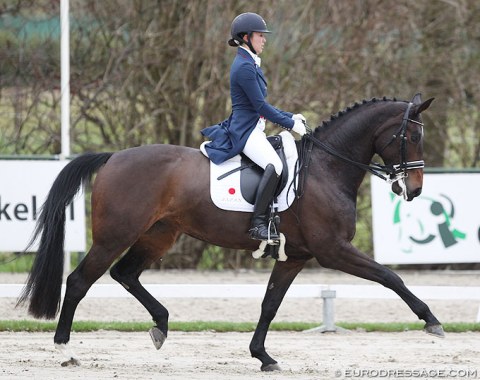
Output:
[[415, 193]]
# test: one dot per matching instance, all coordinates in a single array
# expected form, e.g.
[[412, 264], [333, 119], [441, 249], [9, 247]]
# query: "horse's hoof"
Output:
[[270, 367], [71, 362], [435, 330], [157, 336]]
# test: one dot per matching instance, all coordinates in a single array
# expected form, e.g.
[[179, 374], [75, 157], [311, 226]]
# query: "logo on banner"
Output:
[[420, 230]]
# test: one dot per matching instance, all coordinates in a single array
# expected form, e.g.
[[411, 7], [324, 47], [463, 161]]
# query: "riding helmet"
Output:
[[246, 23]]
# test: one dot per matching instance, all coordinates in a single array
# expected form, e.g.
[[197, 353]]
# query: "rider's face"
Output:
[[258, 41]]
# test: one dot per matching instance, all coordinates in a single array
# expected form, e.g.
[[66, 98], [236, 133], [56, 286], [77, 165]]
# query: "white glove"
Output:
[[299, 116], [299, 127]]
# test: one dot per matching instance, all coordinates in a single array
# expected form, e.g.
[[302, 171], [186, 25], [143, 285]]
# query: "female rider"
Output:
[[243, 131]]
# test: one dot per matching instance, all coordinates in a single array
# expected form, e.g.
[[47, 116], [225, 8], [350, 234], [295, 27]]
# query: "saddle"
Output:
[[234, 184], [251, 173]]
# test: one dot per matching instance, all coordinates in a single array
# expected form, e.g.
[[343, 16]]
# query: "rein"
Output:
[[394, 172]]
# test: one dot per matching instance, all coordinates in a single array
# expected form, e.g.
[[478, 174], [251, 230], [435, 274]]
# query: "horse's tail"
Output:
[[43, 288]]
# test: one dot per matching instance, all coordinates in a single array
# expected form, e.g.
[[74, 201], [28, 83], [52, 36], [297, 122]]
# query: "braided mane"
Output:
[[356, 105]]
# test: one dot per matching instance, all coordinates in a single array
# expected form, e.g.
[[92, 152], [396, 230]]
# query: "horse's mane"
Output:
[[356, 105]]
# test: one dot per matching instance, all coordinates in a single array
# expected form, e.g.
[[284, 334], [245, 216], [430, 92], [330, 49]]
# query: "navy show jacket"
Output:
[[248, 90]]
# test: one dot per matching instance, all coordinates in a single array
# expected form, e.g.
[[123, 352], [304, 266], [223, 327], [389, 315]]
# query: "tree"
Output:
[[157, 71]]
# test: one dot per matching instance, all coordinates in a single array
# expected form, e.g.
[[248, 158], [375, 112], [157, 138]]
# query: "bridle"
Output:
[[390, 173], [399, 171]]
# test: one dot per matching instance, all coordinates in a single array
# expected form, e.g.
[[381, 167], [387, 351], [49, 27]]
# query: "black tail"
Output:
[[44, 283]]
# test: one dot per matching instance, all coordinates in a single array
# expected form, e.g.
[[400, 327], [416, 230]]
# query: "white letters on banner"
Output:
[[442, 225], [24, 186]]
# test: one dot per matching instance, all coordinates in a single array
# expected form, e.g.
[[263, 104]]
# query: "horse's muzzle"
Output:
[[413, 194], [410, 193]]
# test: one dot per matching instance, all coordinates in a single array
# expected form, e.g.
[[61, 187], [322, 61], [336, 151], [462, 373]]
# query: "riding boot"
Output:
[[266, 190]]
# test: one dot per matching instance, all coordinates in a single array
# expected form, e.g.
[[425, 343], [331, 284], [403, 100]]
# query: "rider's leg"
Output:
[[260, 219], [260, 151]]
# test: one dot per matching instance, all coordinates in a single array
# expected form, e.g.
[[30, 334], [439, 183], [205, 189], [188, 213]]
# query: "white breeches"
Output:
[[260, 151]]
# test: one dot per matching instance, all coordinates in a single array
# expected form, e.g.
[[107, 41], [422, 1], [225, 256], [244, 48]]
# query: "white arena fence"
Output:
[[258, 291], [326, 292]]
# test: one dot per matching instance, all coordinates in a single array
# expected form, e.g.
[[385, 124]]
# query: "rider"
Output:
[[243, 131]]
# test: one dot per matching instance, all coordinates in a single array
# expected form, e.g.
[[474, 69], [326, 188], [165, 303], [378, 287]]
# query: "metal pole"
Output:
[[65, 78], [65, 91]]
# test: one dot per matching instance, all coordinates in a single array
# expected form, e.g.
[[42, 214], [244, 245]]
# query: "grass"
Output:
[[16, 262], [22, 262], [219, 326]]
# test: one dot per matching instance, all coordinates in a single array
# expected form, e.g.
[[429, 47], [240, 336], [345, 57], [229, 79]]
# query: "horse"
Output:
[[144, 197]]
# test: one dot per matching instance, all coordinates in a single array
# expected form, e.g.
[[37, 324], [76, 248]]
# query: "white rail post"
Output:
[[328, 325]]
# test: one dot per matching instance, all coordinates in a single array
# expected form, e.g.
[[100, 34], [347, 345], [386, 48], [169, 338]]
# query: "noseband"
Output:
[[394, 172]]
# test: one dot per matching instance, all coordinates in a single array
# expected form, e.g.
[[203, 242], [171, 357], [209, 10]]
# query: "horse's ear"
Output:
[[423, 106], [417, 99]]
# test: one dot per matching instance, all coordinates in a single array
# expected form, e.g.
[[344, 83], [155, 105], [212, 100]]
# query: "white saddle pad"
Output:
[[226, 193]]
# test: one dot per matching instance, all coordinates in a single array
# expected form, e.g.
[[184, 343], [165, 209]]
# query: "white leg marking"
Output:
[[67, 354]]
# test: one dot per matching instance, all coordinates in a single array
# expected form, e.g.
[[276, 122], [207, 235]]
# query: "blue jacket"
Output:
[[248, 90]]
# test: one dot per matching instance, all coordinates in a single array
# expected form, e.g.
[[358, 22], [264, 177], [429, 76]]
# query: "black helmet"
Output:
[[246, 23]]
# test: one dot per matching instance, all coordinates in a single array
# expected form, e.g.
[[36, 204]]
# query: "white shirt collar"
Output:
[[256, 58]]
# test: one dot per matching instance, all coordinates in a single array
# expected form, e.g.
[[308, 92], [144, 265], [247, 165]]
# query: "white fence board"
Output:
[[258, 291]]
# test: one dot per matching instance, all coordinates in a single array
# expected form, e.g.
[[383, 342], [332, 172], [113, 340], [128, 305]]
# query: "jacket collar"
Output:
[[248, 54]]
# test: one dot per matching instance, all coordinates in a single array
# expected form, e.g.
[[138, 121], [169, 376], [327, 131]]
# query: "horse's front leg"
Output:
[[283, 273], [348, 259]]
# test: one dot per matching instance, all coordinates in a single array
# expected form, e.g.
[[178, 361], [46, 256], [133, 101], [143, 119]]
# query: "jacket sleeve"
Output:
[[247, 79]]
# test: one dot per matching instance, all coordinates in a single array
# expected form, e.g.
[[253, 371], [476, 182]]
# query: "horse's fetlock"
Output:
[[61, 338], [256, 351], [162, 324]]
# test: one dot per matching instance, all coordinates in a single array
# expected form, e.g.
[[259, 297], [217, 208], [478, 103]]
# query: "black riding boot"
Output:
[[265, 194]]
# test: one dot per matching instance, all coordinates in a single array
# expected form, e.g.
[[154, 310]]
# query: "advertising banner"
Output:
[[24, 186], [442, 225]]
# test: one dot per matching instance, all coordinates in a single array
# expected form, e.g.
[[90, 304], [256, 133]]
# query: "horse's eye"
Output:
[[415, 138]]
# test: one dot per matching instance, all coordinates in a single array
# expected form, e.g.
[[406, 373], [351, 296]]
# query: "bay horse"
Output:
[[143, 198]]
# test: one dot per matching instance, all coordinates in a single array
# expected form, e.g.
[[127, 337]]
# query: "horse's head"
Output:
[[400, 144]]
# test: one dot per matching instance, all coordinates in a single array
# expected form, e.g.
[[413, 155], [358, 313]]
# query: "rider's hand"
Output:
[[299, 116], [299, 127]]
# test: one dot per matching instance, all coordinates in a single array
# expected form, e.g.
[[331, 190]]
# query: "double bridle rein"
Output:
[[393, 173]]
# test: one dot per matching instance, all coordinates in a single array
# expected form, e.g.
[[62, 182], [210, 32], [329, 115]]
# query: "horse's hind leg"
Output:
[[95, 264], [283, 273], [149, 248], [352, 261]]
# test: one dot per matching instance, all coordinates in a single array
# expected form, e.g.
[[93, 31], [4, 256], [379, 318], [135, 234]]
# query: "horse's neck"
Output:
[[351, 136]]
